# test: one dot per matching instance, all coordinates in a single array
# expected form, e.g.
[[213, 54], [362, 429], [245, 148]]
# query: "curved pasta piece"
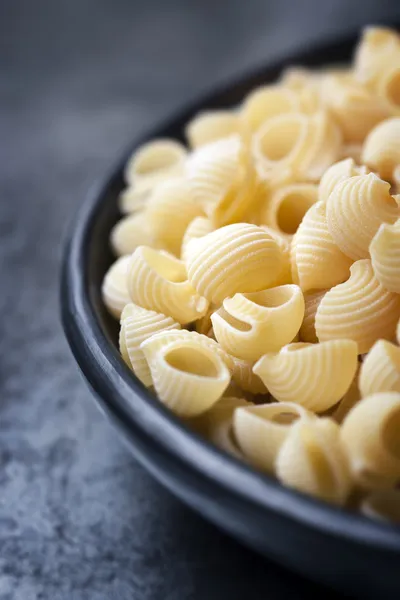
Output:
[[155, 161], [244, 377], [210, 126], [133, 199], [266, 102], [261, 430], [312, 460], [315, 376], [114, 289], [130, 232], [370, 434], [287, 207], [388, 87], [297, 145], [383, 505], [188, 374], [355, 210], [283, 241], [377, 48], [198, 228], [158, 281], [307, 330], [137, 325], [223, 180], [170, 209], [380, 371], [360, 309], [385, 256], [381, 150], [235, 258], [339, 171], [250, 325], [317, 261], [350, 399]]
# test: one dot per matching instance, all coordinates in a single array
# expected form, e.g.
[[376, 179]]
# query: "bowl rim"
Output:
[[116, 385]]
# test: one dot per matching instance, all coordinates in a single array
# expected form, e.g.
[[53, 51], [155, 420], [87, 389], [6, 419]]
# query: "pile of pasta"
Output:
[[257, 282]]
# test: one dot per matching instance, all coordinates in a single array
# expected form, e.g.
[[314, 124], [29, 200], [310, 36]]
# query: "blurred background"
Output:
[[79, 79]]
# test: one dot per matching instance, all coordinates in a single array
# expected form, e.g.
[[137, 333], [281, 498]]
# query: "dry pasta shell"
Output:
[[155, 161], [307, 330], [210, 126], [287, 207], [114, 289], [197, 228], [385, 256], [339, 171], [378, 47], [380, 370], [266, 102], [381, 151], [130, 232]]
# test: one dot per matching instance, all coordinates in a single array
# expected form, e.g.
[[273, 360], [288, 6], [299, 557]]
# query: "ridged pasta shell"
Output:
[[157, 281], [137, 325], [360, 309], [130, 232], [188, 374], [339, 171], [378, 47], [287, 207], [244, 377], [313, 460], [210, 126], [370, 433], [385, 256], [250, 325], [266, 102], [261, 430], [315, 376], [198, 228], [235, 258], [355, 210], [155, 161], [318, 262], [384, 506], [381, 151], [114, 289], [380, 371], [283, 241], [170, 209], [307, 330]]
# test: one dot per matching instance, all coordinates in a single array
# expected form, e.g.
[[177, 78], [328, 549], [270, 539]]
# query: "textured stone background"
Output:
[[79, 519]]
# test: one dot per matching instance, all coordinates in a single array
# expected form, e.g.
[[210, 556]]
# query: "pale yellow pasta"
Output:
[[312, 460], [137, 325], [317, 262], [133, 199], [223, 180], [287, 206], [370, 433], [383, 505], [381, 151], [198, 228], [114, 289], [212, 125], [158, 281], [250, 325], [235, 258], [388, 86], [170, 209], [261, 430], [350, 399], [307, 85], [340, 171], [297, 146], [266, 102], [360, 309], [283, 241], [155, 161], [188, 374], [244, 377], [130, 232], [378, 48], [385, 256], [380, 371], [354, 211], [315, 376], [307, 330]]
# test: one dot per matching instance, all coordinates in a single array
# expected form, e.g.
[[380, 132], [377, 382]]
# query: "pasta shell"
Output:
[[381, 151], [388, 87], [370, 434], [360, 309], [283, 241], [266, 102], [210, 126], [338, 172], [354, 211], [198, 228], [307, 329], [350, 399], [318, 262], [315, 376], [380, 371], [312, 460], [378, 47], [250, 325], [261, 430], [188, 374], [383, 505], [130, 232], [133, 199], [244, 377], [385, 256], [157, 281], [114, 289], [170, 209], [235, 258], [287, 207], [155, 161], [137, 325]]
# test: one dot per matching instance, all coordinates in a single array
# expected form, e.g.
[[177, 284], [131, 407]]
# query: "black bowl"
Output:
[[333, 546]]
